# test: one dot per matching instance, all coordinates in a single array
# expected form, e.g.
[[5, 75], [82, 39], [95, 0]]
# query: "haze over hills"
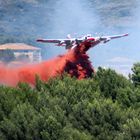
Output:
[[105, 106], [24, 20], [21, 21]]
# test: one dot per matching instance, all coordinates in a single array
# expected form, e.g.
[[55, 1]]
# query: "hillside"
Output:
[[103, 107], [25, 20]]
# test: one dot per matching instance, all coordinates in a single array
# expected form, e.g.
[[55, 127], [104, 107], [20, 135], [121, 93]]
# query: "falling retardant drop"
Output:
[[75, 62]]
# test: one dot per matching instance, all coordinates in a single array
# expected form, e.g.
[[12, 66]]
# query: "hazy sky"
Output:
[[56, 19], [79, 17]]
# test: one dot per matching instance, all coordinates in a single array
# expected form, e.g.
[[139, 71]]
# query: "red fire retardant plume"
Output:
[[75, 62]]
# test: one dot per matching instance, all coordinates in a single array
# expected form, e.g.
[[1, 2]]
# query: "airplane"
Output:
[[70, 43]]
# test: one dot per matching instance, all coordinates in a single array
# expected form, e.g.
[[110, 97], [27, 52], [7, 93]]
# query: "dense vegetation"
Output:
[[105, 107]]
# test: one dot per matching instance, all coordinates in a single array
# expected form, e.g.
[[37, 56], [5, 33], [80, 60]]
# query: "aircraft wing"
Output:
[[50, 40], [58, 41], [108, 38], [114, 36], [118, 36]]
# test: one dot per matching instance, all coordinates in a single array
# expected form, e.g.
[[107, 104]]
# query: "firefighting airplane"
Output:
[[70, 43]]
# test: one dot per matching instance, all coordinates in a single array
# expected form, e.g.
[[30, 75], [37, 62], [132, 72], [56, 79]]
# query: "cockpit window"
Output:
[[88, 35]]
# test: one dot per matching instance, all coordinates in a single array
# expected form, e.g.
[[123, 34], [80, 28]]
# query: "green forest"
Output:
[[104, 107]]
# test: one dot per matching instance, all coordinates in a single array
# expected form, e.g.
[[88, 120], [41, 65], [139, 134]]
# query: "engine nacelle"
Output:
[[62, 43], [107, 40]]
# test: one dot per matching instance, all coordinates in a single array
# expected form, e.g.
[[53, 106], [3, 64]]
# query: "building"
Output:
[[23, 51]]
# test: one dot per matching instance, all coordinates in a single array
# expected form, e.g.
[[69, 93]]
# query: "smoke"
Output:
[[108, 17], [68, 17], [72, 17], [116, 17], [27, 20], [75, 62]]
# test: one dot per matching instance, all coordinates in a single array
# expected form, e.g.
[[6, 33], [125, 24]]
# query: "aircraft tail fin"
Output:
[[68, 36]]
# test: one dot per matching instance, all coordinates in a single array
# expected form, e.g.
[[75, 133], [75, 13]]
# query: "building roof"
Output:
[[17, 46]]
